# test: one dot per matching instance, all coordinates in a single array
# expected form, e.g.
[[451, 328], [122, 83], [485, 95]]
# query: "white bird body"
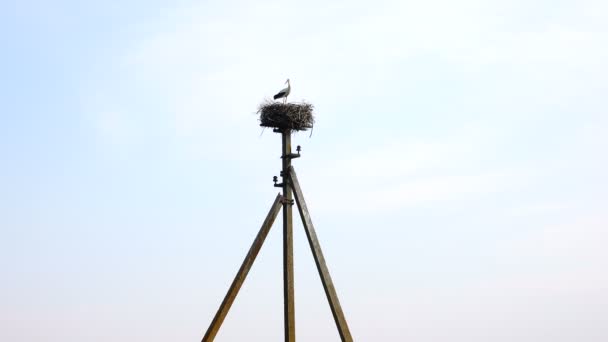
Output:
[[284, 92]]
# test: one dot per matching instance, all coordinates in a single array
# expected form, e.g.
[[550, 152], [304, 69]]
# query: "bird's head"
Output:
[[287, 82]]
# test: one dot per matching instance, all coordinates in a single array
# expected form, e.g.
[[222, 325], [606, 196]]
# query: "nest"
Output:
[[291, 116]]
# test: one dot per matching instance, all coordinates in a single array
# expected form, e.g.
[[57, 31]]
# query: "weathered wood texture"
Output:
[[315, 247], [288, 277], [242, 273]]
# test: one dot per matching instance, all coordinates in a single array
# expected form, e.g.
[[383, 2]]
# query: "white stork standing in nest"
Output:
[[284, 93]]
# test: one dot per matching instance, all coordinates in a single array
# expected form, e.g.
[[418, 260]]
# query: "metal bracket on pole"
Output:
[[293, 155], [287, 201], [275, 180]]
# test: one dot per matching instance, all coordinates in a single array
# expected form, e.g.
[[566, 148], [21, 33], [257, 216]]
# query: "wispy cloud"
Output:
[[400, 174]]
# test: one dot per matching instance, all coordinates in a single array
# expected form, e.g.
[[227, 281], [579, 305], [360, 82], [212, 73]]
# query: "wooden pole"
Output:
[[242, 273], [288, 277], [290, 186], [315, 247]]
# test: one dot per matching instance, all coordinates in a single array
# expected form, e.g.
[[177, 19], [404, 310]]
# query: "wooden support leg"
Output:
[[315, 247], [242, 273]]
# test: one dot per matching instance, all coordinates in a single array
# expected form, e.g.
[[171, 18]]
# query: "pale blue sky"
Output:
[[456, 174]]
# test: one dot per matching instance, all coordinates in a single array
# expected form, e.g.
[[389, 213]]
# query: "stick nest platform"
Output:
[[292, 116]]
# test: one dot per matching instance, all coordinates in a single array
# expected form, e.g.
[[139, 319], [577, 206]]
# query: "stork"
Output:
[[284, 93]]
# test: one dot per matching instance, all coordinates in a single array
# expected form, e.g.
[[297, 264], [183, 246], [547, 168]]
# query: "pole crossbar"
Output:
[[315, 247], [243, 271]]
